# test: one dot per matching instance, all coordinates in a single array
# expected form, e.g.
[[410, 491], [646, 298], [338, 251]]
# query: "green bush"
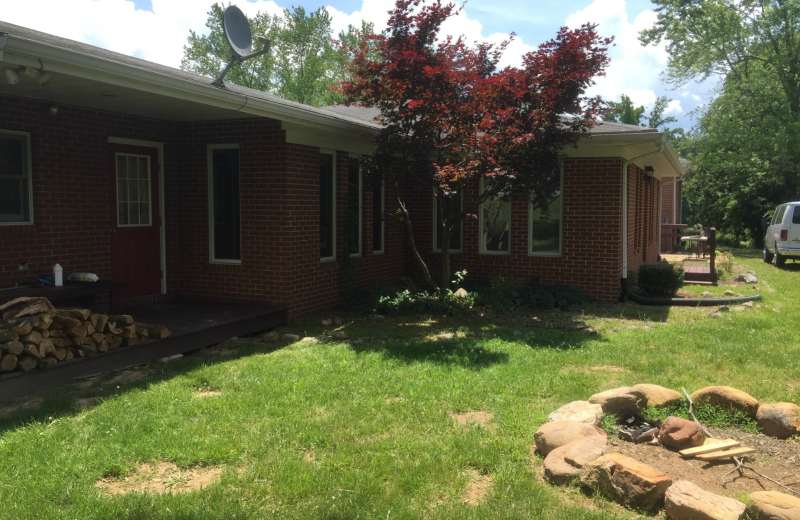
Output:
[[507, 294], [660, 280]]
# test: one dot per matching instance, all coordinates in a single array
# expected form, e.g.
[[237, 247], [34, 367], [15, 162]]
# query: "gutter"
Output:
[[625, 205]]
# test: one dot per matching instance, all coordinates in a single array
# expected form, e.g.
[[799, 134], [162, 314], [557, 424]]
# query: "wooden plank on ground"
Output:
[[711, 445], [724, 454]]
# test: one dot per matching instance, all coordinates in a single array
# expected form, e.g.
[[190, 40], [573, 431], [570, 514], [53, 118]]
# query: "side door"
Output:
[[135, 219]]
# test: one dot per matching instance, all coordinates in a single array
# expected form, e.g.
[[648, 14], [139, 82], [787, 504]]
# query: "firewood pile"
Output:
[[36, 335]]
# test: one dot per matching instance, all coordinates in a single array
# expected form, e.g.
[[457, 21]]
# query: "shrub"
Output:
[[660, 279], [506, 294], [724, 263]]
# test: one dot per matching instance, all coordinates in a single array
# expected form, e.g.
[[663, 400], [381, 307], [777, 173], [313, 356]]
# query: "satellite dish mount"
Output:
[[240, 40]]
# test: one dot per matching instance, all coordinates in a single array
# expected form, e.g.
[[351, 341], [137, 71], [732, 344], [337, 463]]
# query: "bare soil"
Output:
[[207, 393], [478, 487], [775, 458], [163, 477], [480, 417]]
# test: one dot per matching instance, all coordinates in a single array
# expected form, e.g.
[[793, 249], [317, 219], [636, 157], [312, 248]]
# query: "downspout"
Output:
[[625, 206]]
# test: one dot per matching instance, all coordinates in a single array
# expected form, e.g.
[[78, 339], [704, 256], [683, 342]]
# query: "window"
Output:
[[225, 204], [796, 215], [327, 206], [354, 206], [378, 208], [545, 226], [452, 205], [778, 219], [133, 190], [495, 223], [15, 178]]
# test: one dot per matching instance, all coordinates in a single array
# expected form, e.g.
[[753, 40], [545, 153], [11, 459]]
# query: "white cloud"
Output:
[[157, 36], [696, 97], [674, 107], [634, 69]]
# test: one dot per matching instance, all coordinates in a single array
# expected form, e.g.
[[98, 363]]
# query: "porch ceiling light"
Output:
[[12, 78], [649, 171], [45, 78]]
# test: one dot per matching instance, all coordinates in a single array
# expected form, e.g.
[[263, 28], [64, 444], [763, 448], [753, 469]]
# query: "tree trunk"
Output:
[[447, 235], [426, 274]]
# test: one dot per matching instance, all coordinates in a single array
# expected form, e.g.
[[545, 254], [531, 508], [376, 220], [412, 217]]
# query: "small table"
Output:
[[699, 240], [71, 290]]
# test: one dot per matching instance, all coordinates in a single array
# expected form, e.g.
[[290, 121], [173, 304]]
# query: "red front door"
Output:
[[135, 220]]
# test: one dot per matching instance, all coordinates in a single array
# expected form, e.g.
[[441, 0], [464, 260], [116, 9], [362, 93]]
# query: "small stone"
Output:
[[290, 337], [647, 327], [706, 294], [739, 308], [685, 500], [758, 306], [271, 337], [622, 402], [359, 340], [748, 305], [327, 323], [772, 505], [726, 397], [517, 333], [728, 292], [324, 337], [680, 434], [658, 396], [531, 333], [589, 331], [308, 339], [340, 335], [578, 411], [626, 435], [781, 420], [234, 338], [555, 434], [170, 358], [745, 278], [715, 315], [723, 308], [646, 436], [461, 293], [563, 465], [626, 481], [378, 317], [337, 321]]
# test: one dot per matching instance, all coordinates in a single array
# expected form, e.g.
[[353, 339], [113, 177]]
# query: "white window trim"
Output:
[[481, 250], [28, 222], [383, 223], [209, 151], [560, 226], [332, 153], [436, 230], [149, 188], [360, 251]]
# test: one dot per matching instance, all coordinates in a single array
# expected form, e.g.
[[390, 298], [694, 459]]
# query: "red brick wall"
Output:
[[643, 218], [71, 206], [591, 237]]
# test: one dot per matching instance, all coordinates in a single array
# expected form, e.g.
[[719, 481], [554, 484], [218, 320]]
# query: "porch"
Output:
[[194, 325]]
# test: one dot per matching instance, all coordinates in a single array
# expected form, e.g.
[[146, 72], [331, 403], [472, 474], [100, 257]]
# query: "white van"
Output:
[[783, 235]]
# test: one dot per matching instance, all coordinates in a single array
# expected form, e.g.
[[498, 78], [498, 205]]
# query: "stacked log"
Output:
[[34, 334]]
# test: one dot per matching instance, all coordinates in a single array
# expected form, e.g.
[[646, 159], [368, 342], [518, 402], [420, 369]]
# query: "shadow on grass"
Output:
[[466, 353]]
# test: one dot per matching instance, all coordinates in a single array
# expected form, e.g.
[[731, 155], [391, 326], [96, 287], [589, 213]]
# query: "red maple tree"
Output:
[[451, 116]]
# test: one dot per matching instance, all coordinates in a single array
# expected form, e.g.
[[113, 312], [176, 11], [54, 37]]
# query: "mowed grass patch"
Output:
[[424, 418]]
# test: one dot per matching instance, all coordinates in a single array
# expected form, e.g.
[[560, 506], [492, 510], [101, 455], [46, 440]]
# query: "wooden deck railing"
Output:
[[670, 233]]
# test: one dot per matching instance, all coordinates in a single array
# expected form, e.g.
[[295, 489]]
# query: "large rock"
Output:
[[680, 434], [626, 481], [622, 402], [578, 411], [771, 505], [687, 501], [555, 434], [745, 278], [726, 397], [658, 396], [564, 464], [780, 420]]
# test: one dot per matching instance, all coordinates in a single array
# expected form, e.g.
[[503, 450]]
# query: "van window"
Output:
[[779, 215], [796, 215]]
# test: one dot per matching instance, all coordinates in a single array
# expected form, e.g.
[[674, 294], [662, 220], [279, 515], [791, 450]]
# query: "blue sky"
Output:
[[157, 29]]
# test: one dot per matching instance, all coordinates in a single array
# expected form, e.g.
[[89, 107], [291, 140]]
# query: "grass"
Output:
[[366, 430]]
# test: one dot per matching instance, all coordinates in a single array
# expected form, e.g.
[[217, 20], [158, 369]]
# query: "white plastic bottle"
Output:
[[58, 275]]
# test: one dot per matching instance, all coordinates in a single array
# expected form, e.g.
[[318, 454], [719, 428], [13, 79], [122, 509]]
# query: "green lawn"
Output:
[[366, 430]]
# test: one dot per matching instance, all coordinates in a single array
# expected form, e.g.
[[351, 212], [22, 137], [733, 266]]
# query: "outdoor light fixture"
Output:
[[12, 78], [45, 78], [649, 171], [53, 110]]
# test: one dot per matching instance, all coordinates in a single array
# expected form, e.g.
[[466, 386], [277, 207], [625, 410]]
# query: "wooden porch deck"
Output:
[[699, 274], [193, 324]]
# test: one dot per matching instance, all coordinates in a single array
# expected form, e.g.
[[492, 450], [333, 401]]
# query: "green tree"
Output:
[[303, 64], [656, 118], [624, 112]]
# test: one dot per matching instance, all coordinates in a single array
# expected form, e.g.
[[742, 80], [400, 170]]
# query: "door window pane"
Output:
[[226, 204], [326, 206], [495, 223], [134, 190]]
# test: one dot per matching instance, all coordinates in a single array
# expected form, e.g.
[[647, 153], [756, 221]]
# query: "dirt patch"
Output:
[[164, 477], [396, 399], [775, 458], [478, 487], [207, 393], [126, 376], [480, 417], [598, 368]]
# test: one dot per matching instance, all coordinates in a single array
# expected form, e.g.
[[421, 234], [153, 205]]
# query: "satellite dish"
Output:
[[240, 40], [237, 31]]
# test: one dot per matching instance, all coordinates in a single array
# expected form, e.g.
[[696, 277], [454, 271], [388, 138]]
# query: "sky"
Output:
[[156, 30]]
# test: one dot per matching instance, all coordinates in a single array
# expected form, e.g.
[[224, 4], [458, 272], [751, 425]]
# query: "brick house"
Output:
[[671, 203], [139, 172]]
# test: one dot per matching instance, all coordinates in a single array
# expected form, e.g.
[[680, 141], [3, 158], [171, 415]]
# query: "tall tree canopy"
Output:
[[623, 111], [453, 117], [746, 145], [303, 65]]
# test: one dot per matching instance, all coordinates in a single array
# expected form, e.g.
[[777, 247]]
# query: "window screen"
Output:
[[15, 182], [779, 215], [133, 190], [226, 204], [326, 206], [452, 205]]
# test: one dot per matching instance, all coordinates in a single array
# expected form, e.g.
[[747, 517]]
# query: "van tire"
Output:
[[767, 256], [778, 260]]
